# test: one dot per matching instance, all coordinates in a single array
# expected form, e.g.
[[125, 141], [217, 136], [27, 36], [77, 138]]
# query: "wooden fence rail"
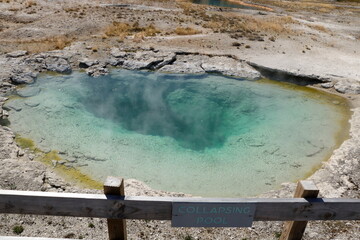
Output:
[[160, 208]]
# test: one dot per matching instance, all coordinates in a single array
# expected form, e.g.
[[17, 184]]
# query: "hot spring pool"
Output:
[[206, 135], [222, 3]]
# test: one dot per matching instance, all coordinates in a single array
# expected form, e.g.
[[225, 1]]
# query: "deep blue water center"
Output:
[[192, 112], [207, 135]]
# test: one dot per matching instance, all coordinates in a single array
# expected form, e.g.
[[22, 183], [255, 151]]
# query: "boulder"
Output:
[[23, 75], [327, 85], [97, 71], [168, 59], [59, 65], [86, 63]]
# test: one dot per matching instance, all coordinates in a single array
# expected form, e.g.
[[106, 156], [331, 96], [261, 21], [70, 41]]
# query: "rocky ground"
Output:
[[312, 43]]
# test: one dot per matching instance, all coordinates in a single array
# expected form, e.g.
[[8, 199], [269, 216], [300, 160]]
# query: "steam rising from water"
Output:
[[201, 134], [197, 114]]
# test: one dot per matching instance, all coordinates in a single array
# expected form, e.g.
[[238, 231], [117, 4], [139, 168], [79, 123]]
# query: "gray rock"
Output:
[[62, 162], [31, 156], [117, 53], [348, 86], [141, 64], [182, 68], [68, 165], [96, 71], [6, 84], [23, 75], [16, 54], [15, 104], [148, 60], [186, 64], [86, 63], [168, 59], [115, 61], [327, 85], [230, 67], [59, 65], [21, 152], [3, 99], [56, 54], [28, 92], [32, 103], [71, 160]]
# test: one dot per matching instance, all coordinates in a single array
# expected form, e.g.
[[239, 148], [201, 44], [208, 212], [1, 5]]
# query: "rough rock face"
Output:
[[348, 86], [56, 64], [117, 53], [148, 60], [97, 70], [86, 62], [16, 54], [23, 74], [186, 64], [230, 67]]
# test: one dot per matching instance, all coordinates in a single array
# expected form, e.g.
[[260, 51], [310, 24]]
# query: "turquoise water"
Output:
[[205, 135], [221, 3]]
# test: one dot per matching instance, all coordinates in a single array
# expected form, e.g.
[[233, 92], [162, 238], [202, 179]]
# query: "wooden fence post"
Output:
[[116, 227], [295, 230]]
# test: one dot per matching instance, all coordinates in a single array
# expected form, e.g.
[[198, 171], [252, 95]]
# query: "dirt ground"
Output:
[[311, 37]]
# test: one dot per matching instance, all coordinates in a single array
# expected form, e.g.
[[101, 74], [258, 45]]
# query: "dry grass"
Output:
[[37, 45], [190, 8], [117, 29], [249, 25], [186, 31], [243, 25], [319, 28], [71, 9], [122, 30], [30, 3]]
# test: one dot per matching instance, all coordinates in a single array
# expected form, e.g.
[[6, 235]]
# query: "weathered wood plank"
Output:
[[116, 227], [295, 230], [159, 208]]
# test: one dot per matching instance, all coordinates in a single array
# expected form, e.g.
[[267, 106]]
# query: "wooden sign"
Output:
[[212, 214]]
